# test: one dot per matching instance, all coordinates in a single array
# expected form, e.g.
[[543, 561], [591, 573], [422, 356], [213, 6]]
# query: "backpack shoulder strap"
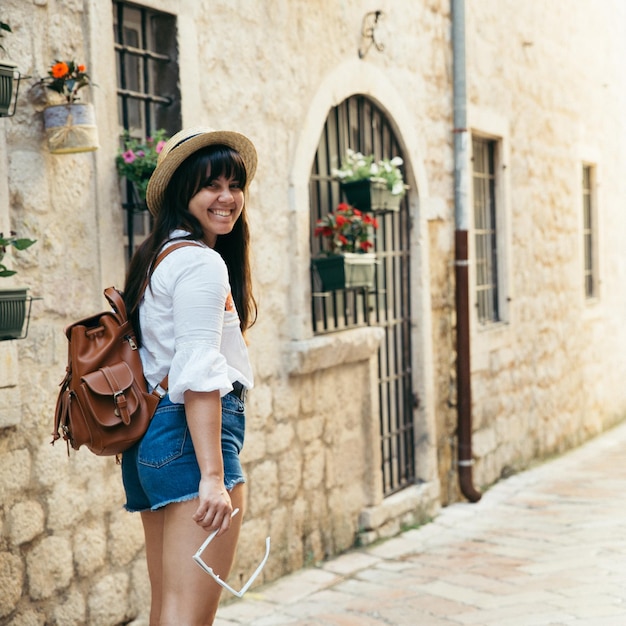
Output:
[[116, 301], [161, 389], [175, 246]]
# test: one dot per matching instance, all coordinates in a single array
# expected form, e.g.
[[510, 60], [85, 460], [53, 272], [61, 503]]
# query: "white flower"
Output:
[[397, 189], [356, 166]]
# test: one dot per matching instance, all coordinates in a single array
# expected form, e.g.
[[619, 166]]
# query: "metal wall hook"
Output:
[[368, 33]]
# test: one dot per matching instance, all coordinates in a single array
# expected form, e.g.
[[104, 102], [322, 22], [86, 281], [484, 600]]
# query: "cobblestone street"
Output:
[[544, 547]]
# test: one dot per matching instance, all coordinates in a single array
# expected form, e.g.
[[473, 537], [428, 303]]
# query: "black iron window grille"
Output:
[[148, 96], [357, 123]]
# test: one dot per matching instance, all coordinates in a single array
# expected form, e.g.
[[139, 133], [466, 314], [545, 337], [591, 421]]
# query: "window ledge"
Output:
[[326, 351]]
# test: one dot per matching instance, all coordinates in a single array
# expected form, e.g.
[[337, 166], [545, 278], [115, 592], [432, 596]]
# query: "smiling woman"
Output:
[[190, 326]]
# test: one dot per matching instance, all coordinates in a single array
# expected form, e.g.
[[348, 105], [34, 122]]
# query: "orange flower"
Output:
[[60, 69], [82, 68]]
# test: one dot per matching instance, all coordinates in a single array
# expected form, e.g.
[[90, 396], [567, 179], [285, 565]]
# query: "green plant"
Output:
[[67, 78], [356, 166], [18, 244], [4, 27], [347, 230], [137, 159]]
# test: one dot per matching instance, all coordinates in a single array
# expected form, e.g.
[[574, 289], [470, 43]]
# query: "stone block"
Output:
[[11, 582], [280, 438], [10, 395], [90, 547], [28, 618], [290, 473], [50, 567], [108, 601], [254, 447], [14, 473], [310, 428], [25, 521], [259, 405], [484, 442], [67, 504], [263, 488], [9, 365], [50, 464], [314, 465], [126, 537], [71, 610]]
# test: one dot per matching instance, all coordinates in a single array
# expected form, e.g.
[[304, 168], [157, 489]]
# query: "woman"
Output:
[[185, 475]]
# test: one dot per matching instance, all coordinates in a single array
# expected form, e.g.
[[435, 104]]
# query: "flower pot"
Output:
[[71, 128], [371, 196], [346, 271], [13, 311], [7, 81]]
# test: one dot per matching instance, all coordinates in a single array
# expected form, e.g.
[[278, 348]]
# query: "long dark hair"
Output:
[[210, 162]]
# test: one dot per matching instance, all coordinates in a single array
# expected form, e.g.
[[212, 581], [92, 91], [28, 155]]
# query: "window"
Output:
[[359, 124], [589, 269], [485, 229], [148, 96]]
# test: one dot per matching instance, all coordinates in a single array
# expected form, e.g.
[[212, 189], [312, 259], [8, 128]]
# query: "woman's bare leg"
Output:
[[153, 530], [189, 595]]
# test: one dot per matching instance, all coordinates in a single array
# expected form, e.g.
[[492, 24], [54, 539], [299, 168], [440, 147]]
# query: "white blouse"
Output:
[[190, 327]]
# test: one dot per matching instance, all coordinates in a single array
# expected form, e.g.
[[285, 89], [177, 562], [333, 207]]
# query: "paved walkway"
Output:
[[544, 547]]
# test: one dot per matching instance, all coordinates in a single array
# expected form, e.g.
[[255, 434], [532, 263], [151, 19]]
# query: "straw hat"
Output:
[[185, 143]]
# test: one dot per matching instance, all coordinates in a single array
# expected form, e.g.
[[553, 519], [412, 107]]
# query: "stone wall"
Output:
[[546, 83], [549, 378]]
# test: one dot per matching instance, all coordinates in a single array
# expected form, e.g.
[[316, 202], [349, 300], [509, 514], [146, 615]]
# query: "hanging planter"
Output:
[[370, 185], [15, 305], [346, 271], [71, 128], [371, 196], [9, 84]]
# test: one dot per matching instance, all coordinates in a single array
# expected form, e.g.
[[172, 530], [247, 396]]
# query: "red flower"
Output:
[[347, 230]]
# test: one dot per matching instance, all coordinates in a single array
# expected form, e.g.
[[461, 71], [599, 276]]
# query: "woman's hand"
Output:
[[215, 508]]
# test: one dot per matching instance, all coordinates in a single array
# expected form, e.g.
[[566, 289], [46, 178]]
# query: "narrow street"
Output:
[[544, 547]]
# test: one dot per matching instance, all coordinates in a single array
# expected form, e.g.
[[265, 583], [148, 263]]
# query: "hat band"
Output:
[[180, 143]]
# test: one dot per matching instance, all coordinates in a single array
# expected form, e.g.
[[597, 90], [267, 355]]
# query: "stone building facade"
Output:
[[546, 91]]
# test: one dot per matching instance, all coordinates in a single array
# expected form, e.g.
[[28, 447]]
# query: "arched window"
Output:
[[359, 124]]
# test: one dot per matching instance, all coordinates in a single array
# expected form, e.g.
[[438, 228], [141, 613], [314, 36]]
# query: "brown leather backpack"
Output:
[[104, 401]]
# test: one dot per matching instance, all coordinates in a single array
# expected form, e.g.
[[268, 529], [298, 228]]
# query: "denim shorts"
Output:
[[162, 468]]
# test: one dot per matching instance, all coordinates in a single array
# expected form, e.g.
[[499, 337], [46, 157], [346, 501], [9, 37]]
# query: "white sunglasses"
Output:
[[209, 570]]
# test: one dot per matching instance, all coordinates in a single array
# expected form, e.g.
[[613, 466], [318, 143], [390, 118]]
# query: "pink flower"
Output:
[[160, 146], [129, 156]]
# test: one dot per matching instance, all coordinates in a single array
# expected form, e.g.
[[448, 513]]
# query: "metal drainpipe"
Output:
[[461, 261]]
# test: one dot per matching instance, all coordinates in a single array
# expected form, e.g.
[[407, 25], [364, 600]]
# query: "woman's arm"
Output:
[[204, 418]]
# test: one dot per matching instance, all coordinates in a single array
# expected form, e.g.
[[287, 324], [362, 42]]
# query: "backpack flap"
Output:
[[110, 394]]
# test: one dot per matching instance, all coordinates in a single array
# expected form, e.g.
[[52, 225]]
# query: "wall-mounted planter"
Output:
[[15, 307], [71, 128], [346, 271], [371, 196], [9, 84]]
